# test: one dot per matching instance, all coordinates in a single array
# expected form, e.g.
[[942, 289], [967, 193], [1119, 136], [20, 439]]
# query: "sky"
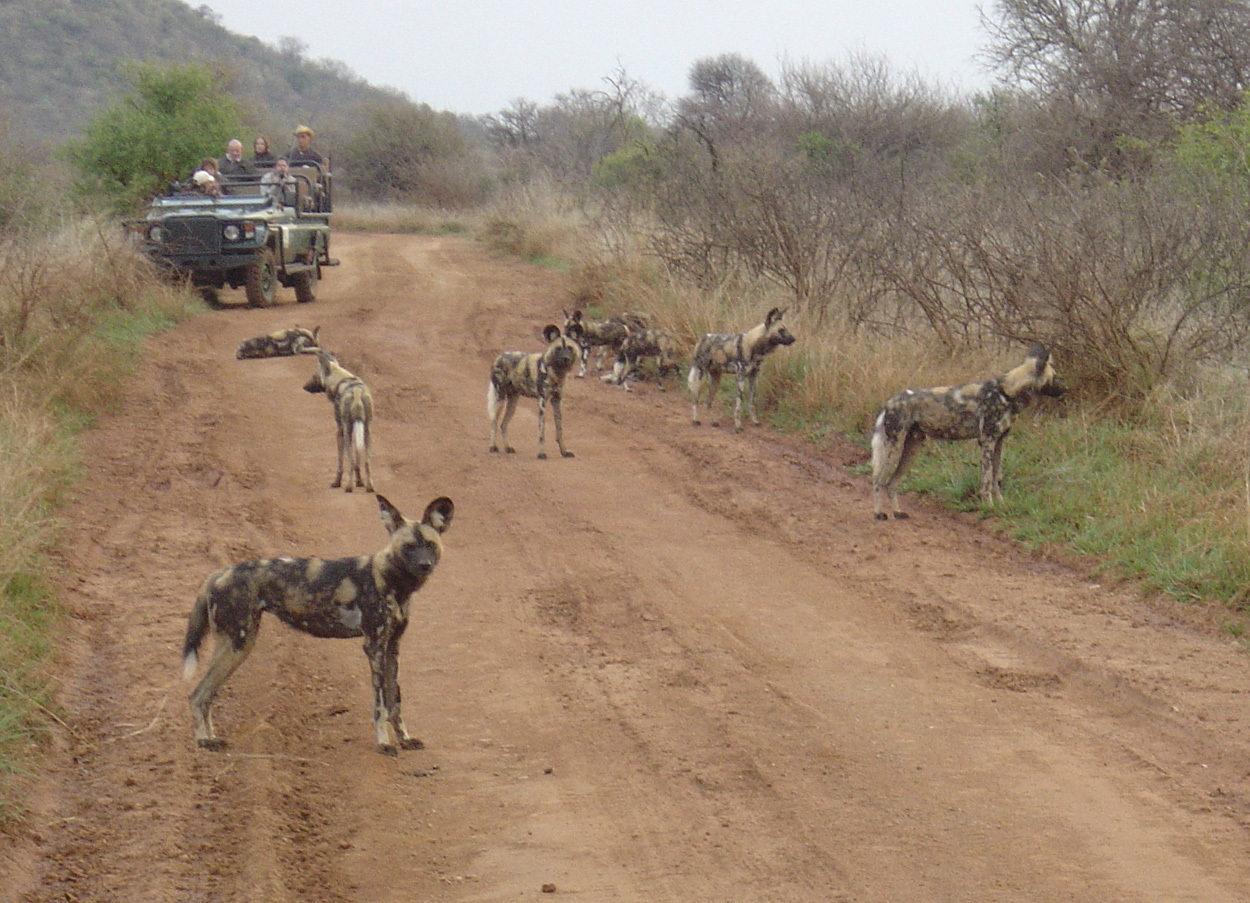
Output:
[[475, 57]]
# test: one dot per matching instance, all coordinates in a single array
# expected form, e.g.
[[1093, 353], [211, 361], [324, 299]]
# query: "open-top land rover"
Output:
[[255, 236]]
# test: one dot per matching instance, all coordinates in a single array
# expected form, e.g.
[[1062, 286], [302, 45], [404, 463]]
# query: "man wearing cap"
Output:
[[303, 152], [205, 183]]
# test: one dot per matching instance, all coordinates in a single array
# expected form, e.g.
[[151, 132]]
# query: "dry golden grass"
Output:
[[404, 218], [74, 307]]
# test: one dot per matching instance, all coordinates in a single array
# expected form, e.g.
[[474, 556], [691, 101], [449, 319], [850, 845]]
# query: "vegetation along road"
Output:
[[684, 665]]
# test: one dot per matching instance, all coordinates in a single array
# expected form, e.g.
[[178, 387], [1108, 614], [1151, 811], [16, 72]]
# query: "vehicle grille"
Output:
[[192, 235]]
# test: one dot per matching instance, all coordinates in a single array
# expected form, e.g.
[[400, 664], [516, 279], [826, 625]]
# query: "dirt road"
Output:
[[682, 666]]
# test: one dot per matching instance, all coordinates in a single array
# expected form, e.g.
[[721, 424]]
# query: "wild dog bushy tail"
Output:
[[197, 627]]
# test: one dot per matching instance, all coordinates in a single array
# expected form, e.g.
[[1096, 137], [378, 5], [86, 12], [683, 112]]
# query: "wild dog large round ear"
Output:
[[773, 316], [392, 517], [1041, 354], [438, 513], [573, 330], [551, 332]]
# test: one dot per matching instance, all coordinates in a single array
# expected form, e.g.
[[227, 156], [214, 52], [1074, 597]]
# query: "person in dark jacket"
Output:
[[262, 156], [233, 164], [303, 152]]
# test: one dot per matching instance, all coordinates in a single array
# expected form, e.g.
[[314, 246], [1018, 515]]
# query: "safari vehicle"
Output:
[[255, 236]]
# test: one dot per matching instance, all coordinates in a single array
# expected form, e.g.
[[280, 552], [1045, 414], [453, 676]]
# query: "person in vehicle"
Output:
[[233, 163], [279, 183], [303, 152], [206, 183], [262, 156]]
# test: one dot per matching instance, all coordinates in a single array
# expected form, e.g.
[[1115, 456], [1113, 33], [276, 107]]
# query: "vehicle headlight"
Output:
[[230, 233], [156, 234]]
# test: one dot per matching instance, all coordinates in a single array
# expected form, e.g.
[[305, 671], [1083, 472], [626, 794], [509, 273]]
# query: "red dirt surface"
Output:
[[685, 665]]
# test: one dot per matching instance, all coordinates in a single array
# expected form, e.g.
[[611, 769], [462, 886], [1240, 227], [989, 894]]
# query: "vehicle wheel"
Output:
[[262, 280], [210, 296], [306, 285]]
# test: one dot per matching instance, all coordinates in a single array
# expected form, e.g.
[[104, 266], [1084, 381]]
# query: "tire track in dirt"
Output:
[[685, 665]]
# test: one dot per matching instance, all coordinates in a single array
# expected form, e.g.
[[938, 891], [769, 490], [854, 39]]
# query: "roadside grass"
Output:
[[74, 310], [1159, 496], [355, 216]]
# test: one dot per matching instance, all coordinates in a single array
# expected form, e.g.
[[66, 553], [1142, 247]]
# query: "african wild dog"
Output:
[[540, 375], [657, 343], [981, 410], [365, 596], [742, 353], [284, 342], [602, 335], [353, 414]]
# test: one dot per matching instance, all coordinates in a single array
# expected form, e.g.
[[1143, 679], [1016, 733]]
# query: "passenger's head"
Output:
[[234, 149], [209, 165], [205, 182], [303, 137], [281, 166], [260, 145]]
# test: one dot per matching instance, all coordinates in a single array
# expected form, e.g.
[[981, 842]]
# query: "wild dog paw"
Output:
[[542, 456], [388, 749], [881, 515], [566, 454], [411, 743], [213, 744], [901, 515]]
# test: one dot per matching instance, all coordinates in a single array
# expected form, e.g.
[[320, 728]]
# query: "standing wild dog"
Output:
[[366, 596], [657, 343], [602, 335], [540, 375], [982, 410], [742, 353], [283, 343], [353, 414]]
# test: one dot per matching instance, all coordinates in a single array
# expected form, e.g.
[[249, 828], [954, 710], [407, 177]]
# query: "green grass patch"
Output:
[[1168, 522]]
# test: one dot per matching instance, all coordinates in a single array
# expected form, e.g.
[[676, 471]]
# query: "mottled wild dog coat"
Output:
[[283, 343], [602, 335], [741, 353], [656, 343], [981, 410], [366, 596], [539, 375], [353, 415]]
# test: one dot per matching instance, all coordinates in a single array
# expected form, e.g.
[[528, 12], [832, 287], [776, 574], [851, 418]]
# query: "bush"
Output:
[[174, 117]]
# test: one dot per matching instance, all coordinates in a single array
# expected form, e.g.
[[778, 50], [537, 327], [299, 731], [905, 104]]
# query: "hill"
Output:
[[59, 63]]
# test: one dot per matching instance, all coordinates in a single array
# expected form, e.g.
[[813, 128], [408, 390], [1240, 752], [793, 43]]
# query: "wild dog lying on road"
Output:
[[981, 410], [353, 414], [284, 342], [366, 596], [742, 353], [657, 343], [602, 335], [540, 375]]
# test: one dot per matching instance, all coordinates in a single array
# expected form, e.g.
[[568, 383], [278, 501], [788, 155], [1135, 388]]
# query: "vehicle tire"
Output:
[[262, 280], [211, 297], [305, 284]]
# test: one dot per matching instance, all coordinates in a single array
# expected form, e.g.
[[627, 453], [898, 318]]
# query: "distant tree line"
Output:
[[1095, 199]]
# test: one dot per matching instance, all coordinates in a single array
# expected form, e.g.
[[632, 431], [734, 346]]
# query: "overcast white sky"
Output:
[[470, 56]]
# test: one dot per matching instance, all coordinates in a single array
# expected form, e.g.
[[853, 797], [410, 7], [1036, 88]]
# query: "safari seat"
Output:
[[307, 186]]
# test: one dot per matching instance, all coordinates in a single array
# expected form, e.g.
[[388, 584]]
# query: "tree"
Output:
[[403, 150], [1124, 67], [173, 117]]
